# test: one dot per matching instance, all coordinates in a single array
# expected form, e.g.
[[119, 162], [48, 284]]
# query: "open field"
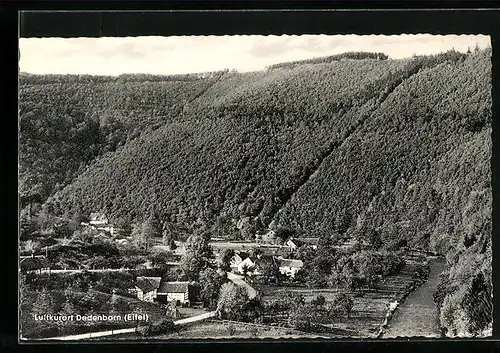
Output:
[[219, 329], [370, 305], [418, 314]]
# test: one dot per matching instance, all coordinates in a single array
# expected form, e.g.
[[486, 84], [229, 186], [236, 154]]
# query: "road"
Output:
[[238, 280], [89, 335], [100, 269], [418, 314]]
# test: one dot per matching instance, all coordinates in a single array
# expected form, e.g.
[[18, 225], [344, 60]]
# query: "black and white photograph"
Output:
[[255, 186]]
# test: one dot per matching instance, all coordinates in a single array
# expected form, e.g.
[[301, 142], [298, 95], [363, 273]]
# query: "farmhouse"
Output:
[[294, 244], [153, 289], [243, 262], [147, 288], [289, 267], [98, 219], [247, 265], [268, 236], [174, 292], [236, 260]]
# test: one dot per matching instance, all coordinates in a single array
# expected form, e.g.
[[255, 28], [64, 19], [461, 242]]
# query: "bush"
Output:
[[144, 331], [156, 328]]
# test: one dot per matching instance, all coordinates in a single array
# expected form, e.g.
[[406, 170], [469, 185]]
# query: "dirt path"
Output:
[[90, 335], [418, 315]]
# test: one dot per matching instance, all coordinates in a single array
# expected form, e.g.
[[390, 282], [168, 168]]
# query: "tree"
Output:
[[192, 265], [225, 260], [270, 271], [32, 246], [478, 304], [144, 232], [210, 284], [68, 308], [44, 303], [245, 271], [341, 304], [367, 266], [89, 303], [151, 228], [303, 316], [283, 233], [232, 302], [198, 256], [319, 301], [160, 258], [124, 225], [171, 244]]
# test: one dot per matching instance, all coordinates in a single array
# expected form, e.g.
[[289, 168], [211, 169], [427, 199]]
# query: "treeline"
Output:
[[34, 79], [329, 59], [347, 270]]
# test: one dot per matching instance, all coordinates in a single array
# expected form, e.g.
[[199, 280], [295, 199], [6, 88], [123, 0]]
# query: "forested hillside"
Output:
[[236, 156], [68, 121], [393, 153]]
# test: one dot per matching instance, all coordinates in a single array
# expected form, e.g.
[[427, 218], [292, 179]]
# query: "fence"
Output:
[[113, 332]]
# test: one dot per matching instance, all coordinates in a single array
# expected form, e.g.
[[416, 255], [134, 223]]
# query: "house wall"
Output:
[[98, 223], [146, 297], [246, 262], [289, 271], [173, 297]]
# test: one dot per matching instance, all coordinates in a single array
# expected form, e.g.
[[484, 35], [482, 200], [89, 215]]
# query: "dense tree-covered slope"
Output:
[[67, 121], [414, 166], [393, 152], [240, 150]]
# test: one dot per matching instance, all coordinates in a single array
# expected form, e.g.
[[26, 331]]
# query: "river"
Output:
[[418, 315]]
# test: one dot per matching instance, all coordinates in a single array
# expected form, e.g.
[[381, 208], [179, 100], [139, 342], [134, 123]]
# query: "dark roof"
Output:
[[310, 240], [243, 254], [147, 284], [297, 242], [34, 263], [174, 287], [290, 263]]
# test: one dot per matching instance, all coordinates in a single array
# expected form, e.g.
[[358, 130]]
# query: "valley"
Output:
[[307, 197]]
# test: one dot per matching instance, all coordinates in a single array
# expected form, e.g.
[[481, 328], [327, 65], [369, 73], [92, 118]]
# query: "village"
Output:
[[263, 281], [267, 260]]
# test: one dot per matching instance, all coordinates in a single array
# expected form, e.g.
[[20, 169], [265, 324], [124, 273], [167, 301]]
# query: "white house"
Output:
[[98, 219], [235, 261], [294, 244], [174, 292], [289, 267], [147, 288], [269, 237], [247, 265]]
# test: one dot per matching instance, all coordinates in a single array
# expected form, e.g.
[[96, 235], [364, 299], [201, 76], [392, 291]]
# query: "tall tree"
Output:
[[44, 303], [198, 256], [210, 283], [232, 302]]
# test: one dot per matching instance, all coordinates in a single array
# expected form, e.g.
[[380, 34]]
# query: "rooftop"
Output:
[[173, 287], [147, 284]]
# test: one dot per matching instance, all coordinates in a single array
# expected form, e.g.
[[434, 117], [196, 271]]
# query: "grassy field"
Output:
[[215, 329], [189, 312], [370, 305]]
